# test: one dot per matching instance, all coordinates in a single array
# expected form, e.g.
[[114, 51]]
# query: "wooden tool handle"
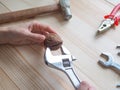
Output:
[[27, 13]]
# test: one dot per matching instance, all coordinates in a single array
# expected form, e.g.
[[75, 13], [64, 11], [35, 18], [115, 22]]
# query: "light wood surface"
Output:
[[23, 67], [114, 2]]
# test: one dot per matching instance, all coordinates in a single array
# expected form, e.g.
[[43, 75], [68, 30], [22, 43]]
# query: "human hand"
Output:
[[29, 33], [85, 86]]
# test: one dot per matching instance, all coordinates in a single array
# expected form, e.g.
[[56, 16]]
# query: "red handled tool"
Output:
[[111, 19]]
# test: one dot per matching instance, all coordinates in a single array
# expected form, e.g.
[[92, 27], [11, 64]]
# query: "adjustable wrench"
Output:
[[62, 62], [110, 62]]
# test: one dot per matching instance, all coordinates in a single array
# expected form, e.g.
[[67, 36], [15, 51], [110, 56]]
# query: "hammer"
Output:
[[63, 6]]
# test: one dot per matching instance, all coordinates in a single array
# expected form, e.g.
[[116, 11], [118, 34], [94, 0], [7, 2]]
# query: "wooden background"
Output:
[[23, 67]]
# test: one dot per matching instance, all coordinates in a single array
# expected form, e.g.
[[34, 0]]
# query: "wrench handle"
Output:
[[73, 78], [116, 65]]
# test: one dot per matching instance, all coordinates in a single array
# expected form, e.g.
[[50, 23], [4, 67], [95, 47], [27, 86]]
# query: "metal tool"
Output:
[[119, 55], [110, 20], [63, 6], [119, 48], [118, 85], [64, 63], [105, 25], [110, 62]]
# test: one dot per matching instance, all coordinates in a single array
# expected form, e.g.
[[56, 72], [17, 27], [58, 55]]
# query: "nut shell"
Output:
[[53, 41]]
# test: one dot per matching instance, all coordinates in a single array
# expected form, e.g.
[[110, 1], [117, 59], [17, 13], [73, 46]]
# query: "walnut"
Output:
[[53, 41]]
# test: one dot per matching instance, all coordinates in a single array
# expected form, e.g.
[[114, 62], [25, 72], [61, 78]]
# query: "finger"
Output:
[[49, 29], [85, 83], [42, 28], [36, 37], [22, 42], [84, 86], [92, 88]]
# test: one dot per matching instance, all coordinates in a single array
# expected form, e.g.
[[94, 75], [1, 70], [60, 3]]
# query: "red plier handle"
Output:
[[113, 16]]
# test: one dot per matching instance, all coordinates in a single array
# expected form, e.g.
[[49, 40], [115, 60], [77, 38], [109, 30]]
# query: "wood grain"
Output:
[[28, 13], [23, 67], [114, 2]]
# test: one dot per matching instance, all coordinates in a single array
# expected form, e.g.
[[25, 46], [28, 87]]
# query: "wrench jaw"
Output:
[[65, 51], [109, 61], [106, 64], [60, 62], [48, 56], [50, 60]]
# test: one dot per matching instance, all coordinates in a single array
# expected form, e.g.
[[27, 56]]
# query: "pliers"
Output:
[[64, 63], [110, 20]]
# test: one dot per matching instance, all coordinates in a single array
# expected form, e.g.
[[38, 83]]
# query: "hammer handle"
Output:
[[27, 13]]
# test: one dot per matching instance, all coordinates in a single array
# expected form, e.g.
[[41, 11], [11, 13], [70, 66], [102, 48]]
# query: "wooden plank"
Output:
[[19, 71], [114, 2], [6, 83], [25, 64], [37, 3], [55, 78], [15, 5], [3, 9], [88, 45]]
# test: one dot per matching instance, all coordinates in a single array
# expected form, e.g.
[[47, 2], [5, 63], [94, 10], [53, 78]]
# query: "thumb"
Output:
[[35, 37]]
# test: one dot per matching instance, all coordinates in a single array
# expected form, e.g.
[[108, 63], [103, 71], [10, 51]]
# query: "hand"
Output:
[[29, 33], [85, 86]]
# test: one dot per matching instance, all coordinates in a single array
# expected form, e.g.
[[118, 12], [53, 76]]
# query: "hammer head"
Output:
[[65, 6]]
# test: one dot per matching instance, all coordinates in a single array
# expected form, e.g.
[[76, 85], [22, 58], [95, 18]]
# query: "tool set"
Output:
[[64, 62], [109, 21]]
